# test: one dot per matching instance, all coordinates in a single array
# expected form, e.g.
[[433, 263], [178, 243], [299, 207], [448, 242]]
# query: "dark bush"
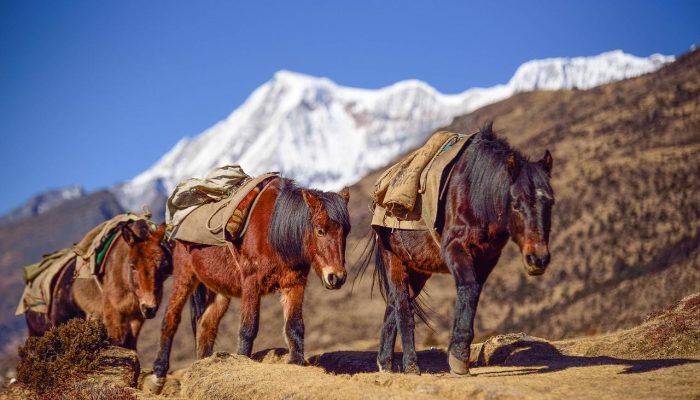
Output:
[[61, 355]]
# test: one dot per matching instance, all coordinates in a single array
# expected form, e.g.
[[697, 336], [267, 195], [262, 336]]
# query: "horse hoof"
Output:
[[155, 384], [298, 361], [412, 369], [458, 367], [384, 367]]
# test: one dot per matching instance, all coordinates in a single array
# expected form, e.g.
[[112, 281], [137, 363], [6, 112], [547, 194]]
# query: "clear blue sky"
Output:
[[94, 92]]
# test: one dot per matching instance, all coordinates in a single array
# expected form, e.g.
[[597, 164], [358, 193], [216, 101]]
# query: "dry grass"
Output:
[[674, 332], [671, 332], [237, 377]]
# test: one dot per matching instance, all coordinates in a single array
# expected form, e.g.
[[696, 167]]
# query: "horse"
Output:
[[494, 193], [290, 231], [130, 290]]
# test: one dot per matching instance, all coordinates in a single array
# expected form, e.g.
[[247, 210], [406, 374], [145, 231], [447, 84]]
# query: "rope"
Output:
[[99, 285], [211, 217]]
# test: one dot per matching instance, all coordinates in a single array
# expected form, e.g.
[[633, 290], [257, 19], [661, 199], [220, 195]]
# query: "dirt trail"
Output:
[[657, 359], [236, 377], [554, 381]]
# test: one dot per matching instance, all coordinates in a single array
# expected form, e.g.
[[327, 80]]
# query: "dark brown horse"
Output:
[[128, 293], [290, 231], [494, 194]]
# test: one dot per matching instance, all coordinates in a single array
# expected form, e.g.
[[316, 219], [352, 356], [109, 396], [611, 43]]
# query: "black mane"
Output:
[[489, 180], [291, 219]]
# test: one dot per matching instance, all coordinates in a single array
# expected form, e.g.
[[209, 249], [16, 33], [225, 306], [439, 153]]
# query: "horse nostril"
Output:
[[531, 260], [332, 279], [148, 312], [544, 261]]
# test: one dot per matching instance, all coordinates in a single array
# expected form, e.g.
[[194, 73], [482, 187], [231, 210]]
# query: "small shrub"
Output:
[[61, 355]]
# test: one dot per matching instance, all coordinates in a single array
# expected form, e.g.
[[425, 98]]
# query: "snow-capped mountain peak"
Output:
[[325, 135], [43, 202], [583, 72]]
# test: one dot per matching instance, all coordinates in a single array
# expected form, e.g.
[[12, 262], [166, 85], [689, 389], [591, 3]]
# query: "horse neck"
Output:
[[261, 218], [459, 184], [257, 234]]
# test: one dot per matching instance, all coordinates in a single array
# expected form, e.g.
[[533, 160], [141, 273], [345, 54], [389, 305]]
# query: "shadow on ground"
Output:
[[533, 356]]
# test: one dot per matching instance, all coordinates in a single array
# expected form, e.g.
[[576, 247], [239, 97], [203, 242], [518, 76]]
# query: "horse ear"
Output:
[[345, 194], [311, 201], [135, 231], [547, 161], [128, 235], [168, 268], [169, 248], [513, 166], [487, 129]]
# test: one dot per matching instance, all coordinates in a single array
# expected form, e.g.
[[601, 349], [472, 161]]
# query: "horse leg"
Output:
[[387, 337], [461, 265], [209, 325], [403, 309], [117, 329], [183, 286], [133, 333], [292, 301], [37, 323], [250, 315]]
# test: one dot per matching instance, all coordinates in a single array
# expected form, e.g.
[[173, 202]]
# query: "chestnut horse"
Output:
[[493, 193], [129, 292], [290, 231]]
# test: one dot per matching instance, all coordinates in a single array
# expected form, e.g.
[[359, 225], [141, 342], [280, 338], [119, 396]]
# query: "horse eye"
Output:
[[133, 266], [320, 231]]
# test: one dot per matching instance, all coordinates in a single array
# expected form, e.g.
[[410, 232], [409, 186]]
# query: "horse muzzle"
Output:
[[536, 265], [333, 280], [148, 312]]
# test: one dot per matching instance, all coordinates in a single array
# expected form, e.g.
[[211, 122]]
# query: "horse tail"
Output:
[[198, 303], [365, 259], [380, 276]]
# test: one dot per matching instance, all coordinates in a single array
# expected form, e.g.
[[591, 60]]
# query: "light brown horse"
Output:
[[128, 293], [291, 230]]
